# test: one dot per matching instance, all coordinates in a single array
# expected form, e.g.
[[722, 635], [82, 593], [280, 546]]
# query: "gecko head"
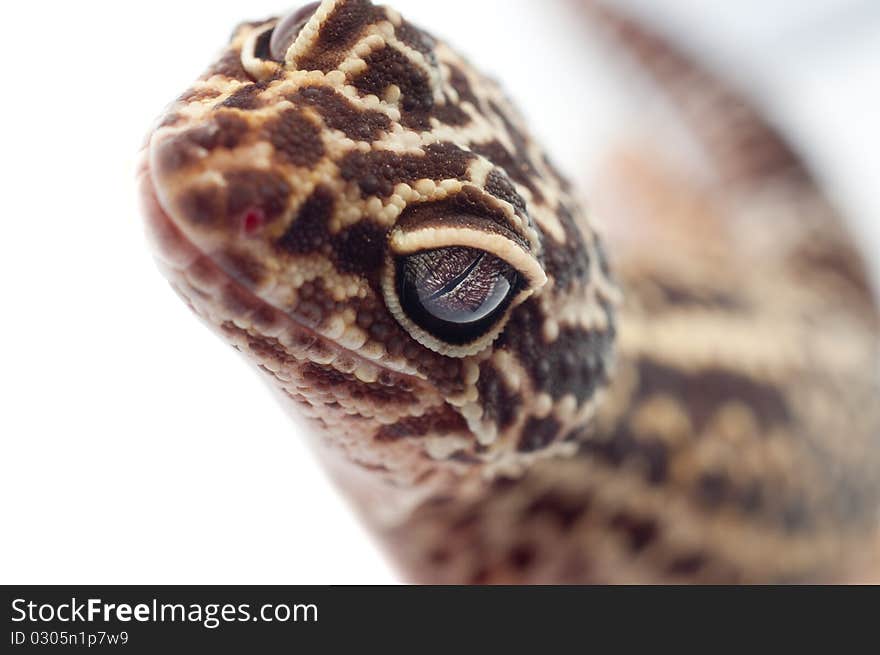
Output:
[[365, 215]]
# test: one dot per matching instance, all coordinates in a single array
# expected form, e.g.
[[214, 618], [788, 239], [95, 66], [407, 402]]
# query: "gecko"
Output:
[[674, 381]]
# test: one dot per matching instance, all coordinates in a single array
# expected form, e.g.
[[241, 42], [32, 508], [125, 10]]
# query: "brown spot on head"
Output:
[[340, 114], [308, 232], [255, 188], [223, 130], [415, 38], [296, 139], [245, 190], [498, 185], [246, 97], [389, 66], [377, 172], [519, 169], [451, 114], [203, 205], [229, 65], [360, 249], [338, 33], [459, 81]]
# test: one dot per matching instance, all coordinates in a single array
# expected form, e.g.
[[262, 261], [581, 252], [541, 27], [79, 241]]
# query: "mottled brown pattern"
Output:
[[338, 33], [718, 423], [308, 230], [442, 422], [339, 113], [297, 141], [573, 364], [499, 401], [377, 172], [389, 66]]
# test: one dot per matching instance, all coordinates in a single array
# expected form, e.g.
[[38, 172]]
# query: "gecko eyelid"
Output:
[[288, 28]]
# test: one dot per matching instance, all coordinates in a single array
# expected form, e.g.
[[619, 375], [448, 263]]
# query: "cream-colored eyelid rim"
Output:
[[403, 242], [306, 38], [257, 68], [392, 301]]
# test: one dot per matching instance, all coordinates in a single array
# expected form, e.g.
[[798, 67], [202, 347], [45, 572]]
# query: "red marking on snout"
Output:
[[252, 221]]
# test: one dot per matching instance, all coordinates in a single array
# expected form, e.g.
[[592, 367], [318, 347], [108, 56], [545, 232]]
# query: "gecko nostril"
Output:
[[288, 28], [252, 221]]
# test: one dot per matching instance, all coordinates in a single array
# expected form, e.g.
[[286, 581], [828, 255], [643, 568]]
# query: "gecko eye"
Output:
[[288, 28], [456, 294]]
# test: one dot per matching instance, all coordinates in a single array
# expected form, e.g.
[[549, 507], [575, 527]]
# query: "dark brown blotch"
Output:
[[308, 232], [205, 206], [639, 532], [525, 167], [444, 421], [622, 449], [564, 510], [339, 113], [538, 433], [500, 405], [708, 390], [389, 66], [360, 249], [336, 383], [498, 185], [568, 263], [225, 130], [339, 31], [246, 97], [248, 189], [296, 139], [516, 165], [459, 81], [575, 363], [469, 208], [229, 65], [522, 555], [244, 191], [450, 114], [378, 172], [416, 38]]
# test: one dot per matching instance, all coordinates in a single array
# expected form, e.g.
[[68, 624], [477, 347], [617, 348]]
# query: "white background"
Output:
[[134, 446]]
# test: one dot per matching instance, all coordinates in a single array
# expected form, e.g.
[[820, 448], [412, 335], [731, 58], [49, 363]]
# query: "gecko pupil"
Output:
[[455, 293], [288, 28]]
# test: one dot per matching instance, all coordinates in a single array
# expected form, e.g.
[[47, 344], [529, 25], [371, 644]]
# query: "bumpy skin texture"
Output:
[[716, 421]]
